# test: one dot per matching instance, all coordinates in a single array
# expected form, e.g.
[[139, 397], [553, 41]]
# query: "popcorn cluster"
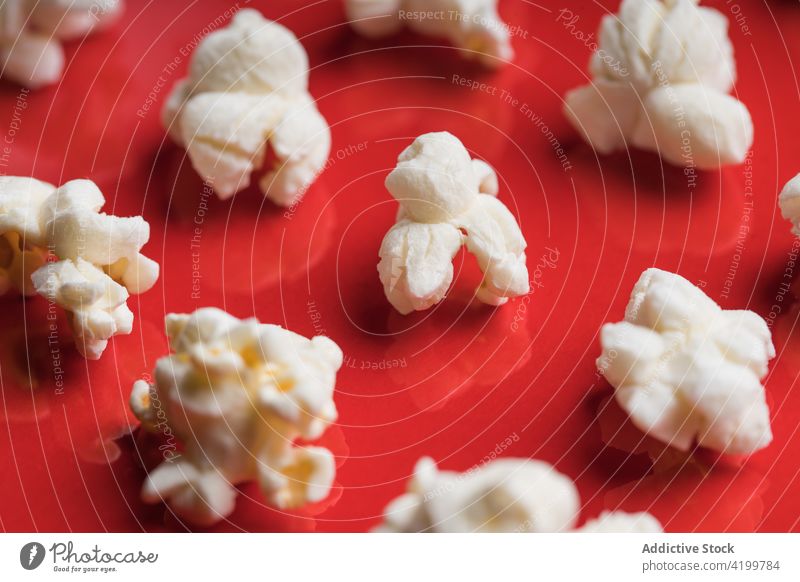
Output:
[[238, 394], [687, 371], [661, 79], [31, 32], [246, 97], [505, 495], [472, 25], [447, 200], [57, 243]]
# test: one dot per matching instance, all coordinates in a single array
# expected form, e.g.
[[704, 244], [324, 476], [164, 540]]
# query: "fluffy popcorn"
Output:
[[56, 242], [447, 200], [505, 495], [238, 394], [472, 25], [75, 228], [789, 202], [661, 82], [621, 522], [96, 304], [246, 96], [687, 371], [22, 245], [31, 32]]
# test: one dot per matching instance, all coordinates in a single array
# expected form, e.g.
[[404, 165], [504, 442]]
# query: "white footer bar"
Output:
[[386, 557]]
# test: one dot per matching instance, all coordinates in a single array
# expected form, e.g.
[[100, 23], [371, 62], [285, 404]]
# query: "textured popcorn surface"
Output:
[[448, 200], [661, 79], [246, 96], [505, 495], [686, 371], [238, 394], [789, 202]]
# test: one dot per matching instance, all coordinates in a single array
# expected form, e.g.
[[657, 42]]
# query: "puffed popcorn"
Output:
[[247, 96], [789, 202], [472, 25], [96, 305], [661, 82], [238, 394], [687, 371], [75, 227], [31, 32], [621, 522], [22, 245], [504, 495], [56, 242], [447, 200]]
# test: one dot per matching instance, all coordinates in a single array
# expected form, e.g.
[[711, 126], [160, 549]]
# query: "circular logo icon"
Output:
[[31, 555]]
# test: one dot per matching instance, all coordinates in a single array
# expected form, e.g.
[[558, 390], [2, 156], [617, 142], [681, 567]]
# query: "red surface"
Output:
[[474, 376]]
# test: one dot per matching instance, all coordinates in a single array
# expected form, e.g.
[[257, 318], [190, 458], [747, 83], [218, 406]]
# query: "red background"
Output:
[[475, 377]]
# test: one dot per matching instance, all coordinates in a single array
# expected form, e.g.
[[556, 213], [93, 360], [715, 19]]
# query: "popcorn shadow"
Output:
[[775, 293], [245, 243], [85, 403], [479, 116], [653, 205], [693, 491], [458, 346], [28, 384]]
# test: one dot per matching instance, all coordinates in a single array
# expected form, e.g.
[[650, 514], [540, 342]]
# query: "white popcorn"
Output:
[[472, 25], [661, 79], [447, 200], [75, 227], [238, 394], [789, 202], [31, 32], [22, 246], [247, 95], [56, 242], [505, 495], [621, 522], [96, 304], [687, 371]]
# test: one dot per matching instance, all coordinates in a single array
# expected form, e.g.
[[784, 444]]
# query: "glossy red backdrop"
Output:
[[457, 381]]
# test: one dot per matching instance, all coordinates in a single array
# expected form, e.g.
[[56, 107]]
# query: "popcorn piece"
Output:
[[506, 495], [447, 200], [247, 91], [789, 202], [94, 258], [238, 394], [661, 79], [472, 25], [21, 242], [76, 228], [687, 371], [621, 522], [31, 32], [96, 304]]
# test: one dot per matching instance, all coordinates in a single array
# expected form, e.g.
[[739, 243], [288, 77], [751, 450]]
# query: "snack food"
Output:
[[687, 371], [448, 200], [246, 97], [661, 79], [238, 394]]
